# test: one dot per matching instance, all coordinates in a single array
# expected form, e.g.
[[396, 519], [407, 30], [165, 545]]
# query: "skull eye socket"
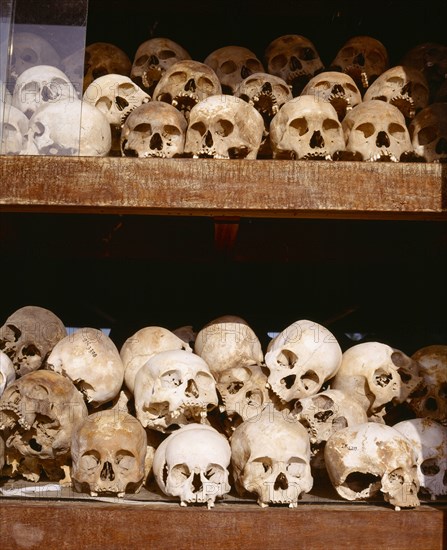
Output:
[[179, 473], [89, 460], [278, 62], [104, 104], [170, 379], [166, 54], [263, 465], [296, 466], [427, 135], [143, 128], [178, 78], [398, 80], [199, 127], [352, 88], [205, 84], [396, 130], [349, 52], [324, 84], [215, 473], [170, 130], [382, 378], [330, 124], [125, 460], [367, 129], [252, 64], [28, 56], [374, 57], [307, 54], [300, 125], [228, 67], [430, 467], [15, 330], [224, 127], [126, 89], [141, 60]]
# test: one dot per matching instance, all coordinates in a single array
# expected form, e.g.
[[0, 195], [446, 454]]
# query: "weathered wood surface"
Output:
[[97, 525], [209, 187]]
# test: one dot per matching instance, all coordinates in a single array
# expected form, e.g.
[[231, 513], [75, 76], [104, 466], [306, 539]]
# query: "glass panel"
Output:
[[44, 75], [6, 15]]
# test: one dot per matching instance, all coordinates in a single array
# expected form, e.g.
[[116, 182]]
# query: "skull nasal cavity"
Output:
[[209, 139], [382, 139], [359, 59], [338, 89], [295, 64], [191, 389], [156, 142], [317, 140], [288, 381], [153, 60], [196, 483], [107, 472], [190, 86], [281, 482]]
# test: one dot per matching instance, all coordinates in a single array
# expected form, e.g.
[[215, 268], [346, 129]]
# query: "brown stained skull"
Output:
[[295, 59], [108, 453], [38, 413], [152, 59], [155, 129], [185, 84], [431, 59], [28, 336], [103, 58], [364, 58], [428, 131]]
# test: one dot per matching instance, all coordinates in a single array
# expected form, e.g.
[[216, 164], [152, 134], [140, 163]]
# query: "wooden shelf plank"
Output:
[[211, 187]]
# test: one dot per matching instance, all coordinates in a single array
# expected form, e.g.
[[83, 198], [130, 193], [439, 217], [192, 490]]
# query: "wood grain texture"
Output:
[[209, 187], [97, 525]]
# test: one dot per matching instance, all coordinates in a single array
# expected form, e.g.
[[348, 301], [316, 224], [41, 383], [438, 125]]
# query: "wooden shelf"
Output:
[[210, 187]]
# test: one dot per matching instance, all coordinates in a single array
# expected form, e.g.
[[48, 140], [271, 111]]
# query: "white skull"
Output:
[[325, 413], [267, 93], [306, 129], [152, 59], [224, 127], [429, 441], [30, 49], [300, 359], [338, 89], [376, 375], [38, 413], [428, 131], [102, 58], [367, 458], [7, 372], [270, 456], [376, 131], [174, 388], [402, 86], [142, 345], [90, 359], [186, 83], [364, 58], [28, 336], [69, 128], [431, 400], [191, 464], [41, 85], [293, 58], [14, 131], [232, 64], [154, 130], [108, 453]]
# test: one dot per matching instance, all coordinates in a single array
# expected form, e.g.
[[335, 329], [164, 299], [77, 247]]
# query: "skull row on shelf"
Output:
[[165, 104], [203, 412]]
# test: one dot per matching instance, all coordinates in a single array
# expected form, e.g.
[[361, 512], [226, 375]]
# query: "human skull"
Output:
[[232, 64], [116, 96], [431, 59], [7, 372], [90, 359], [306, 129], [325, 413], [376, 375], [402, 86], [338, 89], [142, 345], [186, 83], [267, 93], [28, 336], [191, 464], [300, 359], [270, 456], [69, 128], [38, 413], [13, 132], [364, 58], [295, 59], [108, 454], [174, 388], [28, 50], [102, 58], [367, 458], [429, 441], [41, 85], [428, 131], [152, 59], [224, 127], [376, 131], [154, 129], [431, 400]]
